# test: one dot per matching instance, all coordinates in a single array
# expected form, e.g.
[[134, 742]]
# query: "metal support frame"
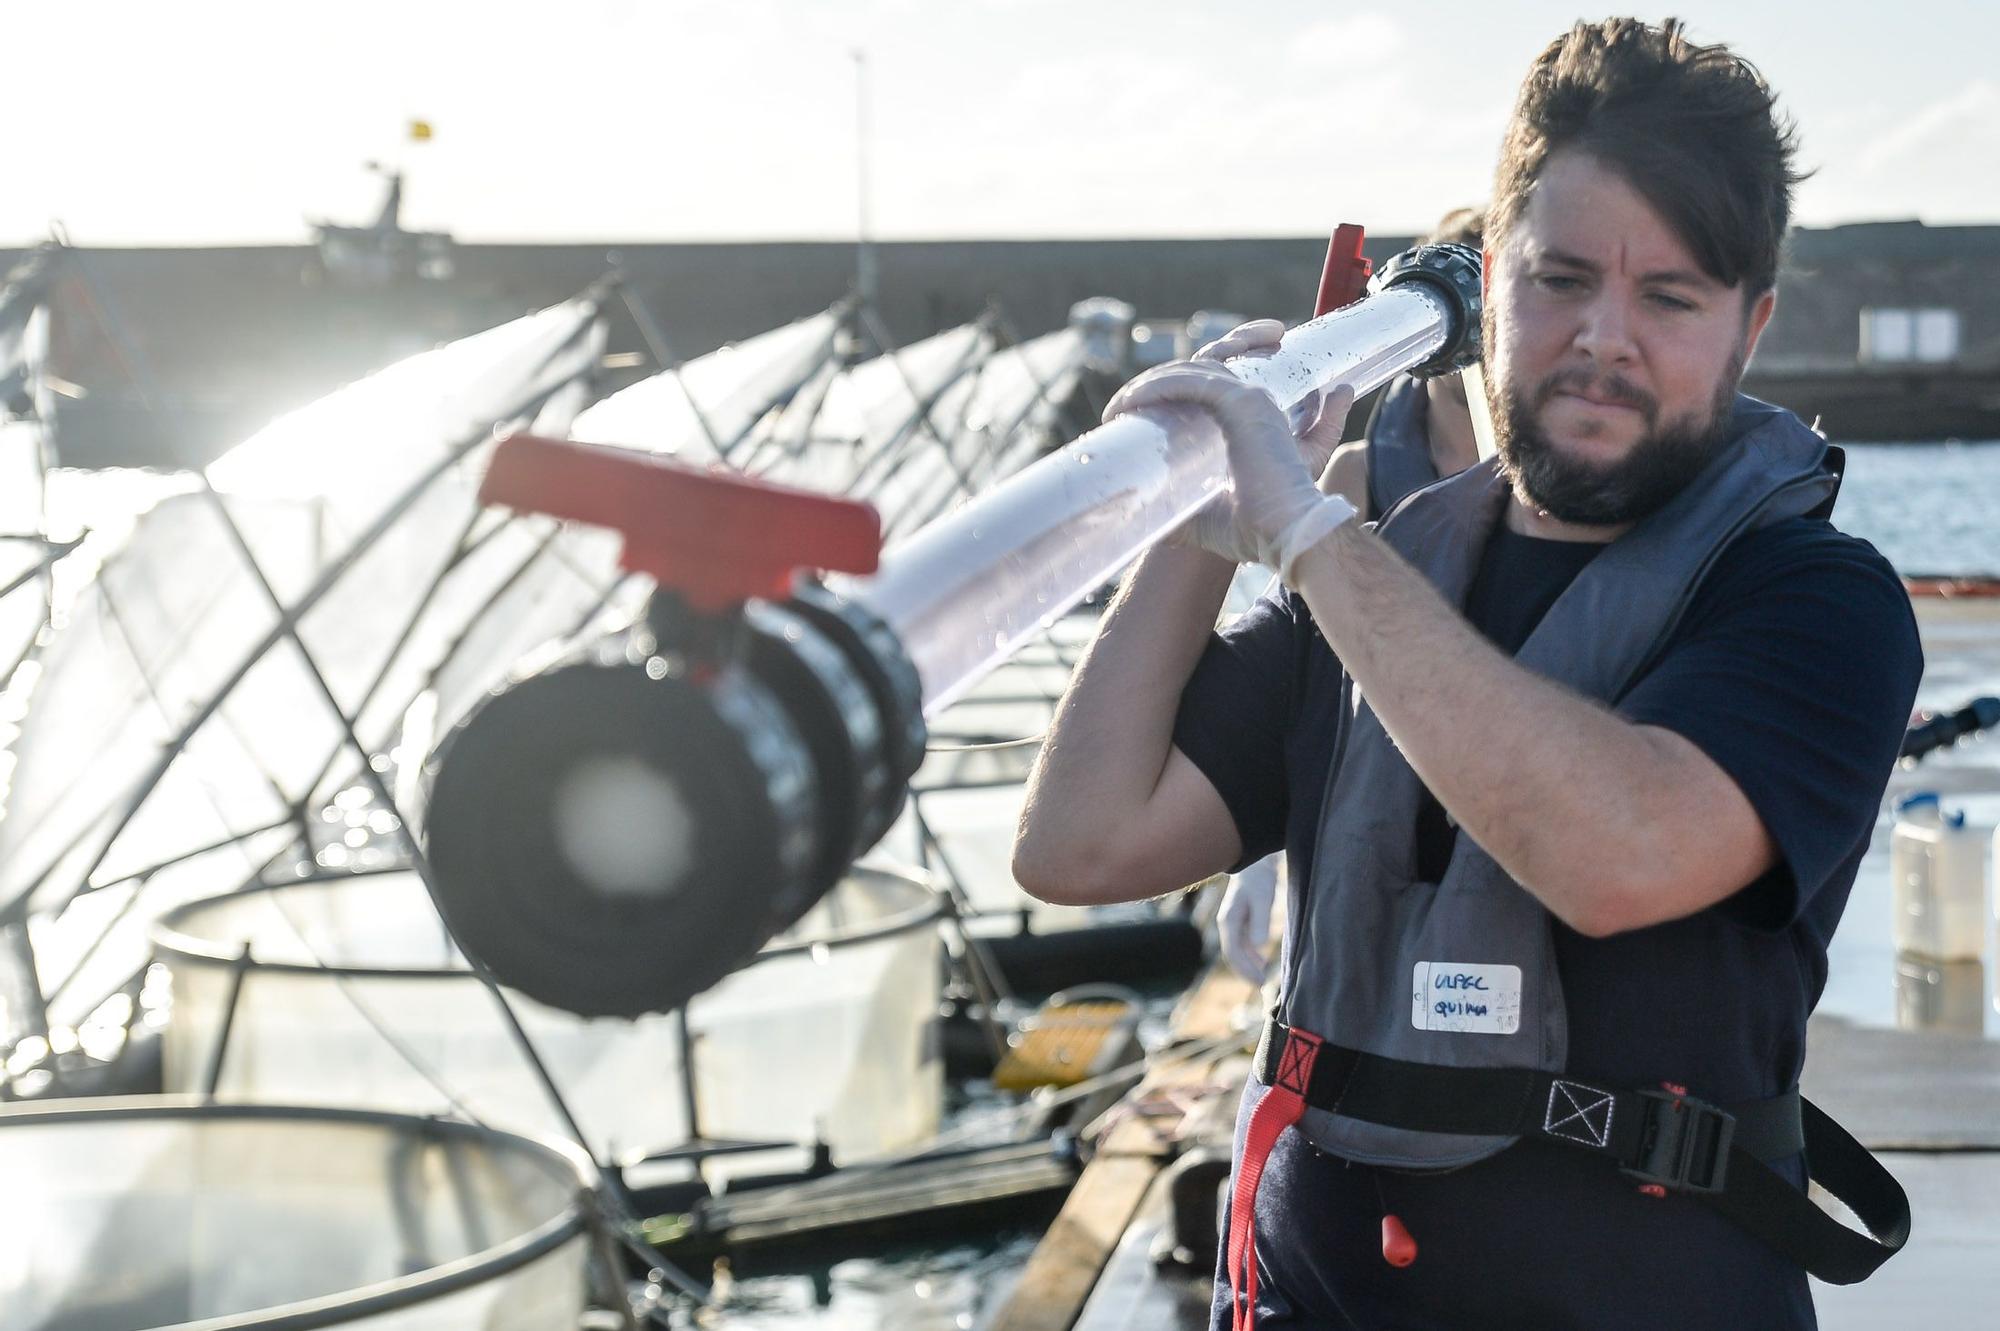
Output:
[[610, 1189], [211, 1079]]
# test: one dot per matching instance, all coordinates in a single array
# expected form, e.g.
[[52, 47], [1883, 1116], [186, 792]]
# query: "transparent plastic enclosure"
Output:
[[347, 990], [143, 1213]]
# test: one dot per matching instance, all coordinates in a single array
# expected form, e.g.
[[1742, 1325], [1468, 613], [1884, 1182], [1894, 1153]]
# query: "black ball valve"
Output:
[[614, 835]]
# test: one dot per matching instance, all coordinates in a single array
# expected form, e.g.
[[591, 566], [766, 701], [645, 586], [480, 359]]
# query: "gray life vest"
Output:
[[1399, 446], [1462, 972]]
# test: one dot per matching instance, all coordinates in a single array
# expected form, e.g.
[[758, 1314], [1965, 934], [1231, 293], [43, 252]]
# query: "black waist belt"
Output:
[[1663, 1138]]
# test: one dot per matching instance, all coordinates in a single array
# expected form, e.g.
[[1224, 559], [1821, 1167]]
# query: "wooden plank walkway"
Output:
[[1065, 1267]]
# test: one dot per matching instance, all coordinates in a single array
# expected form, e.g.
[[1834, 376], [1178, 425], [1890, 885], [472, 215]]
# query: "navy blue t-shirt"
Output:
[[1794, 670]]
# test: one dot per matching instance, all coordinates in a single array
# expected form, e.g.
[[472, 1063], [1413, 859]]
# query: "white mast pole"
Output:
[[864, 245]]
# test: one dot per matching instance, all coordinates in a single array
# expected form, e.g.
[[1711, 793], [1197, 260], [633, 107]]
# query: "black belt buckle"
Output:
[[1683, 1143]]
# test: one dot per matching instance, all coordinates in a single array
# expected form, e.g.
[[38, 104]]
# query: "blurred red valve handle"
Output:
[[716, 537]]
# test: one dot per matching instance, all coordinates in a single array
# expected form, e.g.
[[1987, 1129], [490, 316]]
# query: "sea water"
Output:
[[1931, 508]]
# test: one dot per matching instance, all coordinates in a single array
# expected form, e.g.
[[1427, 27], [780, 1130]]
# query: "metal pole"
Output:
[[656, 345], [864, 245], [684, 1039], [238, 970]]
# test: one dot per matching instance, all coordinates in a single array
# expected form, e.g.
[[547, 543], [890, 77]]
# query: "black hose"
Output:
[[1948, 728]]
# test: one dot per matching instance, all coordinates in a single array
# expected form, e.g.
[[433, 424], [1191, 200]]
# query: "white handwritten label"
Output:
[[1466, 996]]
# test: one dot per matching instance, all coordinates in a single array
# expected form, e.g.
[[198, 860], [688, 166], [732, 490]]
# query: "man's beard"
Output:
[[1662, 463]]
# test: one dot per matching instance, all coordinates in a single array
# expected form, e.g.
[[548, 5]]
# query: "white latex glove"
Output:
[[1272, 512], [1243, 925], [1259, 338]]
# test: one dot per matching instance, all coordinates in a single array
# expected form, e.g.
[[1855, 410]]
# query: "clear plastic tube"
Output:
[[964, 592]]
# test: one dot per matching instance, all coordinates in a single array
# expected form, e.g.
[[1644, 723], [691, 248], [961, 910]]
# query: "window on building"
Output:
[[1926, 335]]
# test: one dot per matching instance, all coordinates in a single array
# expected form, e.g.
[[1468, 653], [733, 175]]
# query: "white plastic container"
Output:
[[1940, 995], [1937, 868]]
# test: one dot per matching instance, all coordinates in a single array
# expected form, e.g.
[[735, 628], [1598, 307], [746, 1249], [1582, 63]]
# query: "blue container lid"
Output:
[[1952, 818]]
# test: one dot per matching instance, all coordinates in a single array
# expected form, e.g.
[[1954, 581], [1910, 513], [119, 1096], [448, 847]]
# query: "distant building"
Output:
[[1883, 330], [1888, 330]]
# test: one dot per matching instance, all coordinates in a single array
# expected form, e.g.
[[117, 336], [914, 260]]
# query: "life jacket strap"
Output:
[[1661, 1137], [1291, 1072]]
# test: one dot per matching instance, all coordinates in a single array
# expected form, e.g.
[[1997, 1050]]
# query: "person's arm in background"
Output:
[[1346, 474], [1243, 921]]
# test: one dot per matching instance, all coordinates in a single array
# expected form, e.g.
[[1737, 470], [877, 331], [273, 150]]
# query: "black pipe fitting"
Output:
[[614, 836], [1454, 271]]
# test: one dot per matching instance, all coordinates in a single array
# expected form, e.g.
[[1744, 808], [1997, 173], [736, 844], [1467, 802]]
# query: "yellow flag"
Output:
[[420, 131]]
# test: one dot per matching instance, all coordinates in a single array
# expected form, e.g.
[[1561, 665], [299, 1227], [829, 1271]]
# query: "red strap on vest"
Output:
[[1279, 1109]]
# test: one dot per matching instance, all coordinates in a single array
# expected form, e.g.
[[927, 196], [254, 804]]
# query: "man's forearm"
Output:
[[1113, 730], [1576, 803]]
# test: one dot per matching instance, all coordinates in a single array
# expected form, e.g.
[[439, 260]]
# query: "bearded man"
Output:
[[1574, 757]]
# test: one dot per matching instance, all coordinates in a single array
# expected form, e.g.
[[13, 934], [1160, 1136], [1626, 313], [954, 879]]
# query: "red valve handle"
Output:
[[715, 536], [1344, 280]]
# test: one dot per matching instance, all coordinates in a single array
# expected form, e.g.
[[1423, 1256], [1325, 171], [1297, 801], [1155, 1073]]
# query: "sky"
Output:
[[202, 122]]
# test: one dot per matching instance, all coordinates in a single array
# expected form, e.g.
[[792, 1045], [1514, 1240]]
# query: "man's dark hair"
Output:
[[1695, 129], [1460, 226]]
